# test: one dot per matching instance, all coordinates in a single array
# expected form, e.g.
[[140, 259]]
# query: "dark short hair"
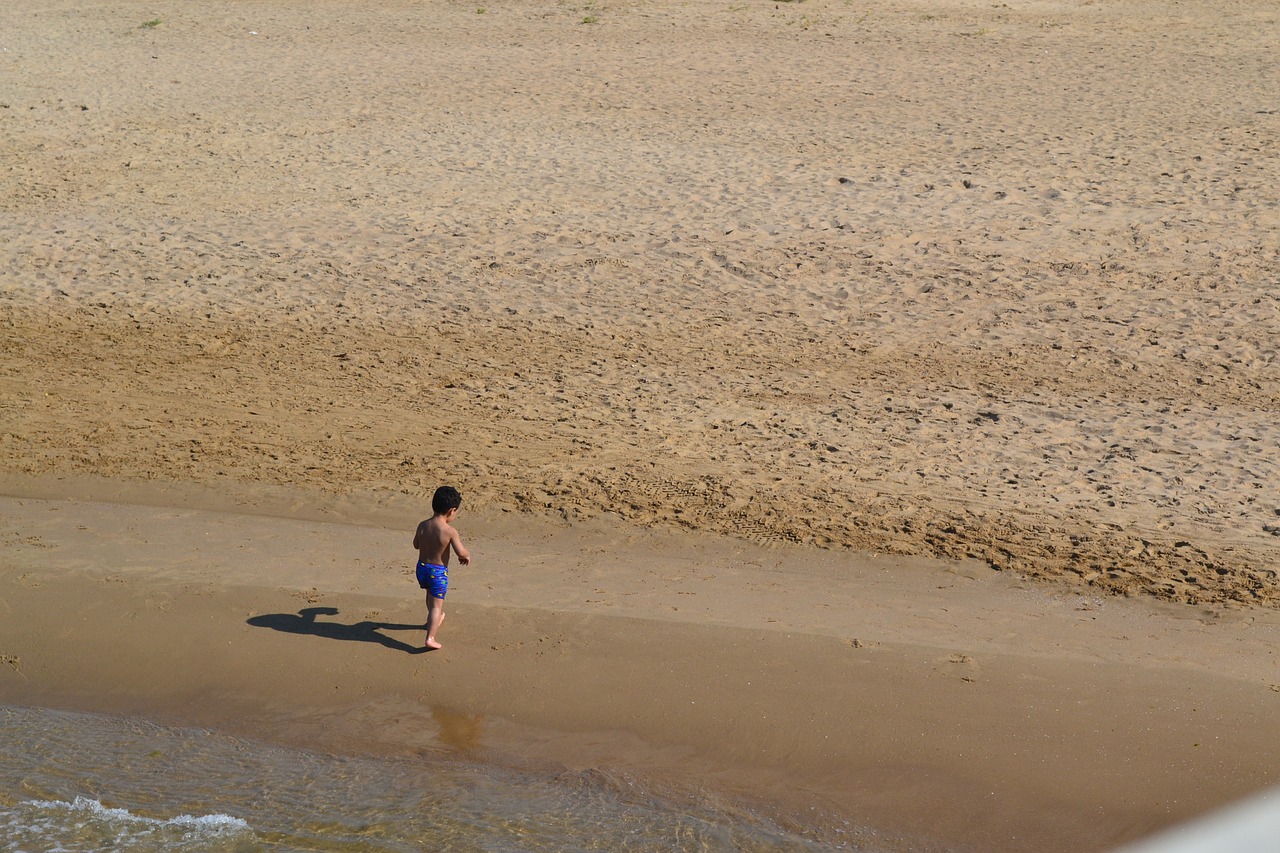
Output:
[[445, 499]]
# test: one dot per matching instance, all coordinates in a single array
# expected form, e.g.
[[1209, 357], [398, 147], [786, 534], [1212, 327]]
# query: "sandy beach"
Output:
[[872, 403]]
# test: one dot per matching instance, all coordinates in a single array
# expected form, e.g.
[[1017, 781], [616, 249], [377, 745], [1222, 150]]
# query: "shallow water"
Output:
[[71, 781]]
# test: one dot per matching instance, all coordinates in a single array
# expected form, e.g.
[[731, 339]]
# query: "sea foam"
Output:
[[90, 809]]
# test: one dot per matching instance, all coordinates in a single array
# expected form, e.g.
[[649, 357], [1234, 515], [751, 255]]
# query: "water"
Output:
[[80, 782]]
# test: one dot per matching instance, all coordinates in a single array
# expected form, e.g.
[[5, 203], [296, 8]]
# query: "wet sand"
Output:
[[933, 702]]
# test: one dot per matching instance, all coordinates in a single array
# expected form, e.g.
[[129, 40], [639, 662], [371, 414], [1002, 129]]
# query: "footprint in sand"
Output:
[[15, 662], [969, 665], [311, 596], [159, 601]]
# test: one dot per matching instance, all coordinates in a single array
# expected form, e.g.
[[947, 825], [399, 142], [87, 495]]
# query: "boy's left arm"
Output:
[[464, 556]]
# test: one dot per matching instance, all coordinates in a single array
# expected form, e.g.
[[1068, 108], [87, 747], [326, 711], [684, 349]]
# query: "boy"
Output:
[[433, 539]]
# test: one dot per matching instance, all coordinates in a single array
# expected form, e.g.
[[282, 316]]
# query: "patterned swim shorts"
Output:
[[434, 579]]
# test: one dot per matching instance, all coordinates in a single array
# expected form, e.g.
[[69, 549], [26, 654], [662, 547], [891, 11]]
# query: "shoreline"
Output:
[[971, 717]]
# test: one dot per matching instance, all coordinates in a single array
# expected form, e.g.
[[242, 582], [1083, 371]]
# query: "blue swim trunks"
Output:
[[434, 579]]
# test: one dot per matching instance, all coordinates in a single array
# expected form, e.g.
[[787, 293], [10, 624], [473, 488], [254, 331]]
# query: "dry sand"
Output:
[[922, 278], [986, 283]]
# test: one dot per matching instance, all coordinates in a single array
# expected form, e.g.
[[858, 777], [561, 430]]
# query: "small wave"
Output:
[[213, 824]]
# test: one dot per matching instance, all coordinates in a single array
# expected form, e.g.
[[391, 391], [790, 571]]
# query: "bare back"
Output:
[[435, 538]]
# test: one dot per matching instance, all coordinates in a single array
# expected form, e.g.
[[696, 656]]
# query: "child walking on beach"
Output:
[[434, 539]]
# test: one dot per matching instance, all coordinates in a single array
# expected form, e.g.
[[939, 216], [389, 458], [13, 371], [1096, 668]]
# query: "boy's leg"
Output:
[[435, 615]]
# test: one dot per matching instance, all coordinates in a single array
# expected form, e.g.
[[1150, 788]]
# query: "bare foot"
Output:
[[432, 642]]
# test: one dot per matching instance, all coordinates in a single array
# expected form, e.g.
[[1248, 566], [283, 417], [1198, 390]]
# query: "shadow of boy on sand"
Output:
[[305, 622]]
